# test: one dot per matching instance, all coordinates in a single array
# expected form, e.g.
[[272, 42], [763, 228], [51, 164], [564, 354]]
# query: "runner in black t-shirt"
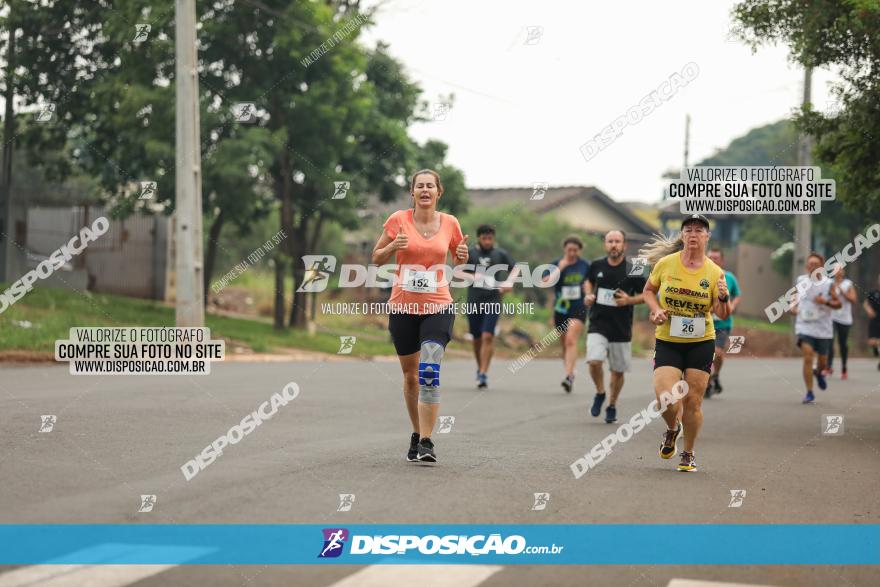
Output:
[[872, 308], [613, 288], [495, 270]]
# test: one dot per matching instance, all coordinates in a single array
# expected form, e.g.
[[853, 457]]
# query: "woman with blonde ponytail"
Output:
[[661, 247], [684, 288]]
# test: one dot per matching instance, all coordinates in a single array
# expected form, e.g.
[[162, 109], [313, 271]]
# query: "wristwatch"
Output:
[[724, 299]]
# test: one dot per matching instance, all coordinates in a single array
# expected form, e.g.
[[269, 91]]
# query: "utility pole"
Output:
[[803, 222], [7, 233], [190, 310], [687, 141], [687, 138]]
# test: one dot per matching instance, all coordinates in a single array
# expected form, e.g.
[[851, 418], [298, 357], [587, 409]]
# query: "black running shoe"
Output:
[[413, 453], [568, 383], [717, 386], [710, 387], [598, 400], [426, 451], [611, 414], [667, 448], [820, 379]]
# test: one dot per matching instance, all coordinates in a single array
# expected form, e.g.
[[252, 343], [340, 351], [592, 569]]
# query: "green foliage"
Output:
[[526, 236], [842, 35], [777, 144], [52, 312], [35, 186], [343, 116], [782, 258], [529, 238], [849, 144], [772, 144], [52, 39]]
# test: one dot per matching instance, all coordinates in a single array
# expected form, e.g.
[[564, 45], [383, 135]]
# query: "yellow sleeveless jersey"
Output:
[[687, 295]]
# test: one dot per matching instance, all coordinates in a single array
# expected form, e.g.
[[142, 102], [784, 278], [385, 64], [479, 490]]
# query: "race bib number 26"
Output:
[[687, 327]]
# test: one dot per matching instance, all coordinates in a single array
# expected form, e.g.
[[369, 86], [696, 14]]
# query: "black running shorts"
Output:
[[409, 331], [685, 355], [874, 328], [579, 313]]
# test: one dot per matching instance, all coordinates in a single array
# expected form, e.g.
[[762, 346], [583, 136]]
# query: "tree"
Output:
[[777, 144], [340, 116], [237, 188], [366, 145], [841, 34], [40, 66], [127, 132]]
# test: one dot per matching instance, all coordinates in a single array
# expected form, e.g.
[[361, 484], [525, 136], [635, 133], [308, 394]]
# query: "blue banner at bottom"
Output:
[[613, 544]]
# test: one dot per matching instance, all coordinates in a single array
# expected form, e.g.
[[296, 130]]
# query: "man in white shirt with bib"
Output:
[[813, 326]]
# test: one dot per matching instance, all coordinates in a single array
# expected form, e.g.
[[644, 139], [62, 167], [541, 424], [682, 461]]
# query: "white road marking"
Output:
[[699, 583], [58, 574], [75, 575], [409, 575]]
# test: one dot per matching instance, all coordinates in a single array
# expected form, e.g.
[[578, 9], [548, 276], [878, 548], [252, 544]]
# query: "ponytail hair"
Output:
[[660, 247]]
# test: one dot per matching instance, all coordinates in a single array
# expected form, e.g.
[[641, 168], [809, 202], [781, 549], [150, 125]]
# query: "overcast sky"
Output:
[[522, 111]]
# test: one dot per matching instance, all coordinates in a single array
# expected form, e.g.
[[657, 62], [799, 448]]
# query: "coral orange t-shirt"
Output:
[[417, 288]]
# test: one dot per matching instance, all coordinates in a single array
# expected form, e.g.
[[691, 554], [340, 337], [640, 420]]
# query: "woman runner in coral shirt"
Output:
[[421, 314]]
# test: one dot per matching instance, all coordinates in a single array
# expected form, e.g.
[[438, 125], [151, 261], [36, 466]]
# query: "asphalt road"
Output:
[[118, 437]]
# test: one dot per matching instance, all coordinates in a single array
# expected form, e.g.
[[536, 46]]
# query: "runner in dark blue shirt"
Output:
[[569, 310], [495, 269]]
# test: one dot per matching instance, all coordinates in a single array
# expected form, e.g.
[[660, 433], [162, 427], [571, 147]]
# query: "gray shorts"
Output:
[[619, 354], [721, 337]]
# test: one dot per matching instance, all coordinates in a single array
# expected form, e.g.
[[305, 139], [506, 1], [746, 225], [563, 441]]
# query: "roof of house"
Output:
[[556, 197]]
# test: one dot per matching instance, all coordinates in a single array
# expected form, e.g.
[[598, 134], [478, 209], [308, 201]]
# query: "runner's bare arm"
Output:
[[461, 253], [721, 309], [589, 298], [387, 246], [624, 299], [868, 309], [649, 293], [658, 314], [834, 301]]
